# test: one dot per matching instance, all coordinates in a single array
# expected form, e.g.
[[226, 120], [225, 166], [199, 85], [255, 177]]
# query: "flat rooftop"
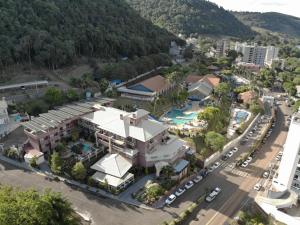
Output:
[[54, 118]]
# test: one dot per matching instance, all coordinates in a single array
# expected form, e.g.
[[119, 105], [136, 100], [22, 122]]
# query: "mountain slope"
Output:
[[55, 32], [275, 22], [191, 17]]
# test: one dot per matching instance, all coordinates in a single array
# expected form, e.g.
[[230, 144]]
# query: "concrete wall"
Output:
[[216, 156]]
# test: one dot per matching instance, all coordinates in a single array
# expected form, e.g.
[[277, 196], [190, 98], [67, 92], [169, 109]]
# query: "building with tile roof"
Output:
[[147, 89]]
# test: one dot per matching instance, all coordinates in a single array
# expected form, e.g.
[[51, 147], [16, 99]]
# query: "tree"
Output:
[[215, 141], [32, 208], [56, 163], [296, 80], [222, 89], [255, 108], [290, 88], [103, 85], [60, 147], [54, 96], [212, 116], [167, 171], [79, 171], [74, 134], [72, 95], [33, 162], [296, 106]]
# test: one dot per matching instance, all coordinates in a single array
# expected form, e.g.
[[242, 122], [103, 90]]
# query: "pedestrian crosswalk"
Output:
[[230, 168]]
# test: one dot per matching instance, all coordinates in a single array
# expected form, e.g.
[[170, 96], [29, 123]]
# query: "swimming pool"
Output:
[[241, 116], [180, 117], [86, 148]]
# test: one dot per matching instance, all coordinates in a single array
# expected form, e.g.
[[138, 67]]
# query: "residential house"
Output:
[[112, 170], [203, 87], [148, 89], [247, 97]]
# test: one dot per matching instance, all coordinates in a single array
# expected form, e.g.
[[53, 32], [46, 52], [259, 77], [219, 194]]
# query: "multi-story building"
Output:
[[289, 168], [46, 131], [257, 55], [222, 47], [4, 119], [252, 53], [271, 55], [134, 136]]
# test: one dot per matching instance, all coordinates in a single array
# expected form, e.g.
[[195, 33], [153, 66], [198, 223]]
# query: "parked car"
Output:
[[189, 184], [235, 149], [210, 169], [245, 164], [278, 157], [212, 195], [197, 179], [170, 199], [230, 154], [179, 192], [266, 174], [224, 157], [257, 186], [280, 153], [249, 159], [216, 165]]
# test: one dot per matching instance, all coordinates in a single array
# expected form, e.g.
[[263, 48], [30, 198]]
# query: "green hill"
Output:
[[55, 32], [191, 17], [274, 22]]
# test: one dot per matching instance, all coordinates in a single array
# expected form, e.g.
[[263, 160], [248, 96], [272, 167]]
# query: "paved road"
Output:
[[241, 190], [235, 184]]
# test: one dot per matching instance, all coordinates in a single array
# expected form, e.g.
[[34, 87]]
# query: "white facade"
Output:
[[4, 119], [272, 54], [289, 169], [258, 55]]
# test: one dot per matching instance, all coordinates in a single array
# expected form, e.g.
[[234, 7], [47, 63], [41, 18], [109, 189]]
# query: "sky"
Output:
[[291, 7]]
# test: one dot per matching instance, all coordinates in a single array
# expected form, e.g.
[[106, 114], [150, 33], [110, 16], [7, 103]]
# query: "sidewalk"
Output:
[[84, 187]]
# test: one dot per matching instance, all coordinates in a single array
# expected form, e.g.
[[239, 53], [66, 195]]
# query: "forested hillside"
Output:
[[275, 22], [54, 32], [191, 17]]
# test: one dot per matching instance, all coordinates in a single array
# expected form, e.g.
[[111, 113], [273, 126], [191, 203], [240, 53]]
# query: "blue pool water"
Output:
[[86, 148], [241, 116], [179, 117]]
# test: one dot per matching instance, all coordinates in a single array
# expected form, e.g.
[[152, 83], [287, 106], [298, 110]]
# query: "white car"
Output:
[[179, 192], [235, 149], [210, 169], [216, 165], [249, 159], [257, 187], [170, 199], [189, 184], [245, 164], [278, 157], [266, 174], [280, 153], [230, 154], [213, 194], [197, 179]]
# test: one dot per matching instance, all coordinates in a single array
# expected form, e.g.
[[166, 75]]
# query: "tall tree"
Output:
[[79, 171]]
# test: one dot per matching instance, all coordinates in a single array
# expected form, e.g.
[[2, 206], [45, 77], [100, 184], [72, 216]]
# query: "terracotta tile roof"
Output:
[[157, 83], [212, 80], [193, 78], [247, 96]]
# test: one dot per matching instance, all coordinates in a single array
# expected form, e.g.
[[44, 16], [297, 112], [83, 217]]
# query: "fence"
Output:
[[230, 145]]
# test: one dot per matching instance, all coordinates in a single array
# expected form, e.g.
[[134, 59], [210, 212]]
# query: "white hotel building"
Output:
[[289, 168]]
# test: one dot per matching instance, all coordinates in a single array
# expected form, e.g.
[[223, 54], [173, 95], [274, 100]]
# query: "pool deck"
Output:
[[195, 108], [233, 125]]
